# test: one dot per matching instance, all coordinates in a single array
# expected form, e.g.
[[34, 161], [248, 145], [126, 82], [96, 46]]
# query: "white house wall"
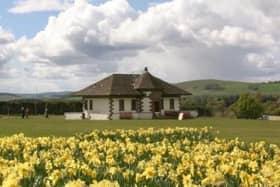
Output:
[[146, 104], [166, 102], [146, 114], [100, 105], [127, 105], [116, 111]]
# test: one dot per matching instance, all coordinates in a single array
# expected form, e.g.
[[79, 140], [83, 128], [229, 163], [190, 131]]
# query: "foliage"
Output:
[[253, 87], [38, 106], [208, 105], [213, 86], [144, 157], [248, 107], [216, 105]]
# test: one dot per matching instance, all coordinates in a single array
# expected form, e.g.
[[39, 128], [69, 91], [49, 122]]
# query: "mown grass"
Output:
[[247, 130]]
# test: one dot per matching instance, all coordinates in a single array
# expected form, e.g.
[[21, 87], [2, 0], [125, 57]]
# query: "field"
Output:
[[220, 87], [247, 130], [144, 158], [131, 153]]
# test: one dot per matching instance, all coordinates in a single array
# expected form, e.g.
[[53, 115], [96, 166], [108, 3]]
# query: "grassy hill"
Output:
[[196, 87], [8, 96], [219, 87]]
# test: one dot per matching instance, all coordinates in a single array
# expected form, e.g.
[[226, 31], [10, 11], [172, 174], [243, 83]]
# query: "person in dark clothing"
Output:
[[27, 113], [46, 113], [22, 112]]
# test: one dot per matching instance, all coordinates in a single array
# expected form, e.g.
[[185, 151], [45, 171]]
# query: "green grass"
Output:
[[247, 130], [198, 87]]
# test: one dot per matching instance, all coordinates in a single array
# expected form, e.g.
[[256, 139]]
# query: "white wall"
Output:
[[73, 115], [127, 105], [146, 107], [143, 115], [98, 116], [100, 105], [135, 115], [146, 114], [166, 102], [273, 118]]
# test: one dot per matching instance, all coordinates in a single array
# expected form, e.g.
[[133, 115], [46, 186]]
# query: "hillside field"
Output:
[[220, 87], [247, 130]]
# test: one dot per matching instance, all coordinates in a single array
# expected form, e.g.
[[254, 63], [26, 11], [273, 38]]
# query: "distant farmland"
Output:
[[219, 87]]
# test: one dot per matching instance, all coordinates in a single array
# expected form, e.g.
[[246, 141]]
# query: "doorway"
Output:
[[156, 106]]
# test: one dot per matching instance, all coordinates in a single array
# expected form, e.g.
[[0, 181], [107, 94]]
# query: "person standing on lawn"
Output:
[[27, 113], [46, 112], [22, 112]]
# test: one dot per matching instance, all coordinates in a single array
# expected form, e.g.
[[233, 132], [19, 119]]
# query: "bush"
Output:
[[248, 107], [253, 87], [213, 86]]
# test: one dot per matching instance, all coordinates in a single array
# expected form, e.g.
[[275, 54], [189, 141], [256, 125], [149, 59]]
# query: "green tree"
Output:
[[248, 107], [216, 105]]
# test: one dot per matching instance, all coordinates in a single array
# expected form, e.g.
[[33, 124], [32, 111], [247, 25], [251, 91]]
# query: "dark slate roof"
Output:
[[130, 85], [146, 82]]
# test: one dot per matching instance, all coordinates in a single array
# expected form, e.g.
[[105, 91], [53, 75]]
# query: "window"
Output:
[[171, 104], [134, 104], [90, 105], [121, 105], [86, 104]]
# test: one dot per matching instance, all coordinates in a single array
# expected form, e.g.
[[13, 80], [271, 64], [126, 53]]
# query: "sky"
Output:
[[59, 45]]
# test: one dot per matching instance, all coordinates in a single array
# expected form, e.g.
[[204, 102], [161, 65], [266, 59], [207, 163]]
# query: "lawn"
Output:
[[247, 130]]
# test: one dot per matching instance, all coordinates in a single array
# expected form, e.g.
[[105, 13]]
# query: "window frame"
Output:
[[121, 105], [162, 104], [134, 103], [86, 104], [172, 104], [90, 104]]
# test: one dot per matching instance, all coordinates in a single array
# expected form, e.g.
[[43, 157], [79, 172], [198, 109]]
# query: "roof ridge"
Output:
[[111, 85], [152, 79], [125, 74], [130, 84]]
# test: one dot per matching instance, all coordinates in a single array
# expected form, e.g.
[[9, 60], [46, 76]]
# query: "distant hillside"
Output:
[[41, 96], [219, 87], [197, 87], [46, 95], [8, 96]]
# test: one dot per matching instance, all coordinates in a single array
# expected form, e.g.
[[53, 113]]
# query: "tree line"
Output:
[[37, 107], [246, 105], [240, 106]]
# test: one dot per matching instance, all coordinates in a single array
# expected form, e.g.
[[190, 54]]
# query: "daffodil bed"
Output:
[[144, 157]]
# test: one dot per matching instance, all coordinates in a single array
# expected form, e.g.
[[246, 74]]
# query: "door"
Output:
[[156, 106]]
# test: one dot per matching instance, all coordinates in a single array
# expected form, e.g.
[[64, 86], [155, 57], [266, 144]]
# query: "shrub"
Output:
[[248, 107], [213, 86]]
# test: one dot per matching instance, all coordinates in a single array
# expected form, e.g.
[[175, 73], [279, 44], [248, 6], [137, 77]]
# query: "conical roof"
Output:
[[130, 85], [146, 81]]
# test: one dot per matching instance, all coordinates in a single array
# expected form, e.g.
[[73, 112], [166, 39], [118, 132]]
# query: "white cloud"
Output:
[[236, 36], [5, 36], [7, 45], [178, 40], [80, 35], [266, 62], [27, 6]]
